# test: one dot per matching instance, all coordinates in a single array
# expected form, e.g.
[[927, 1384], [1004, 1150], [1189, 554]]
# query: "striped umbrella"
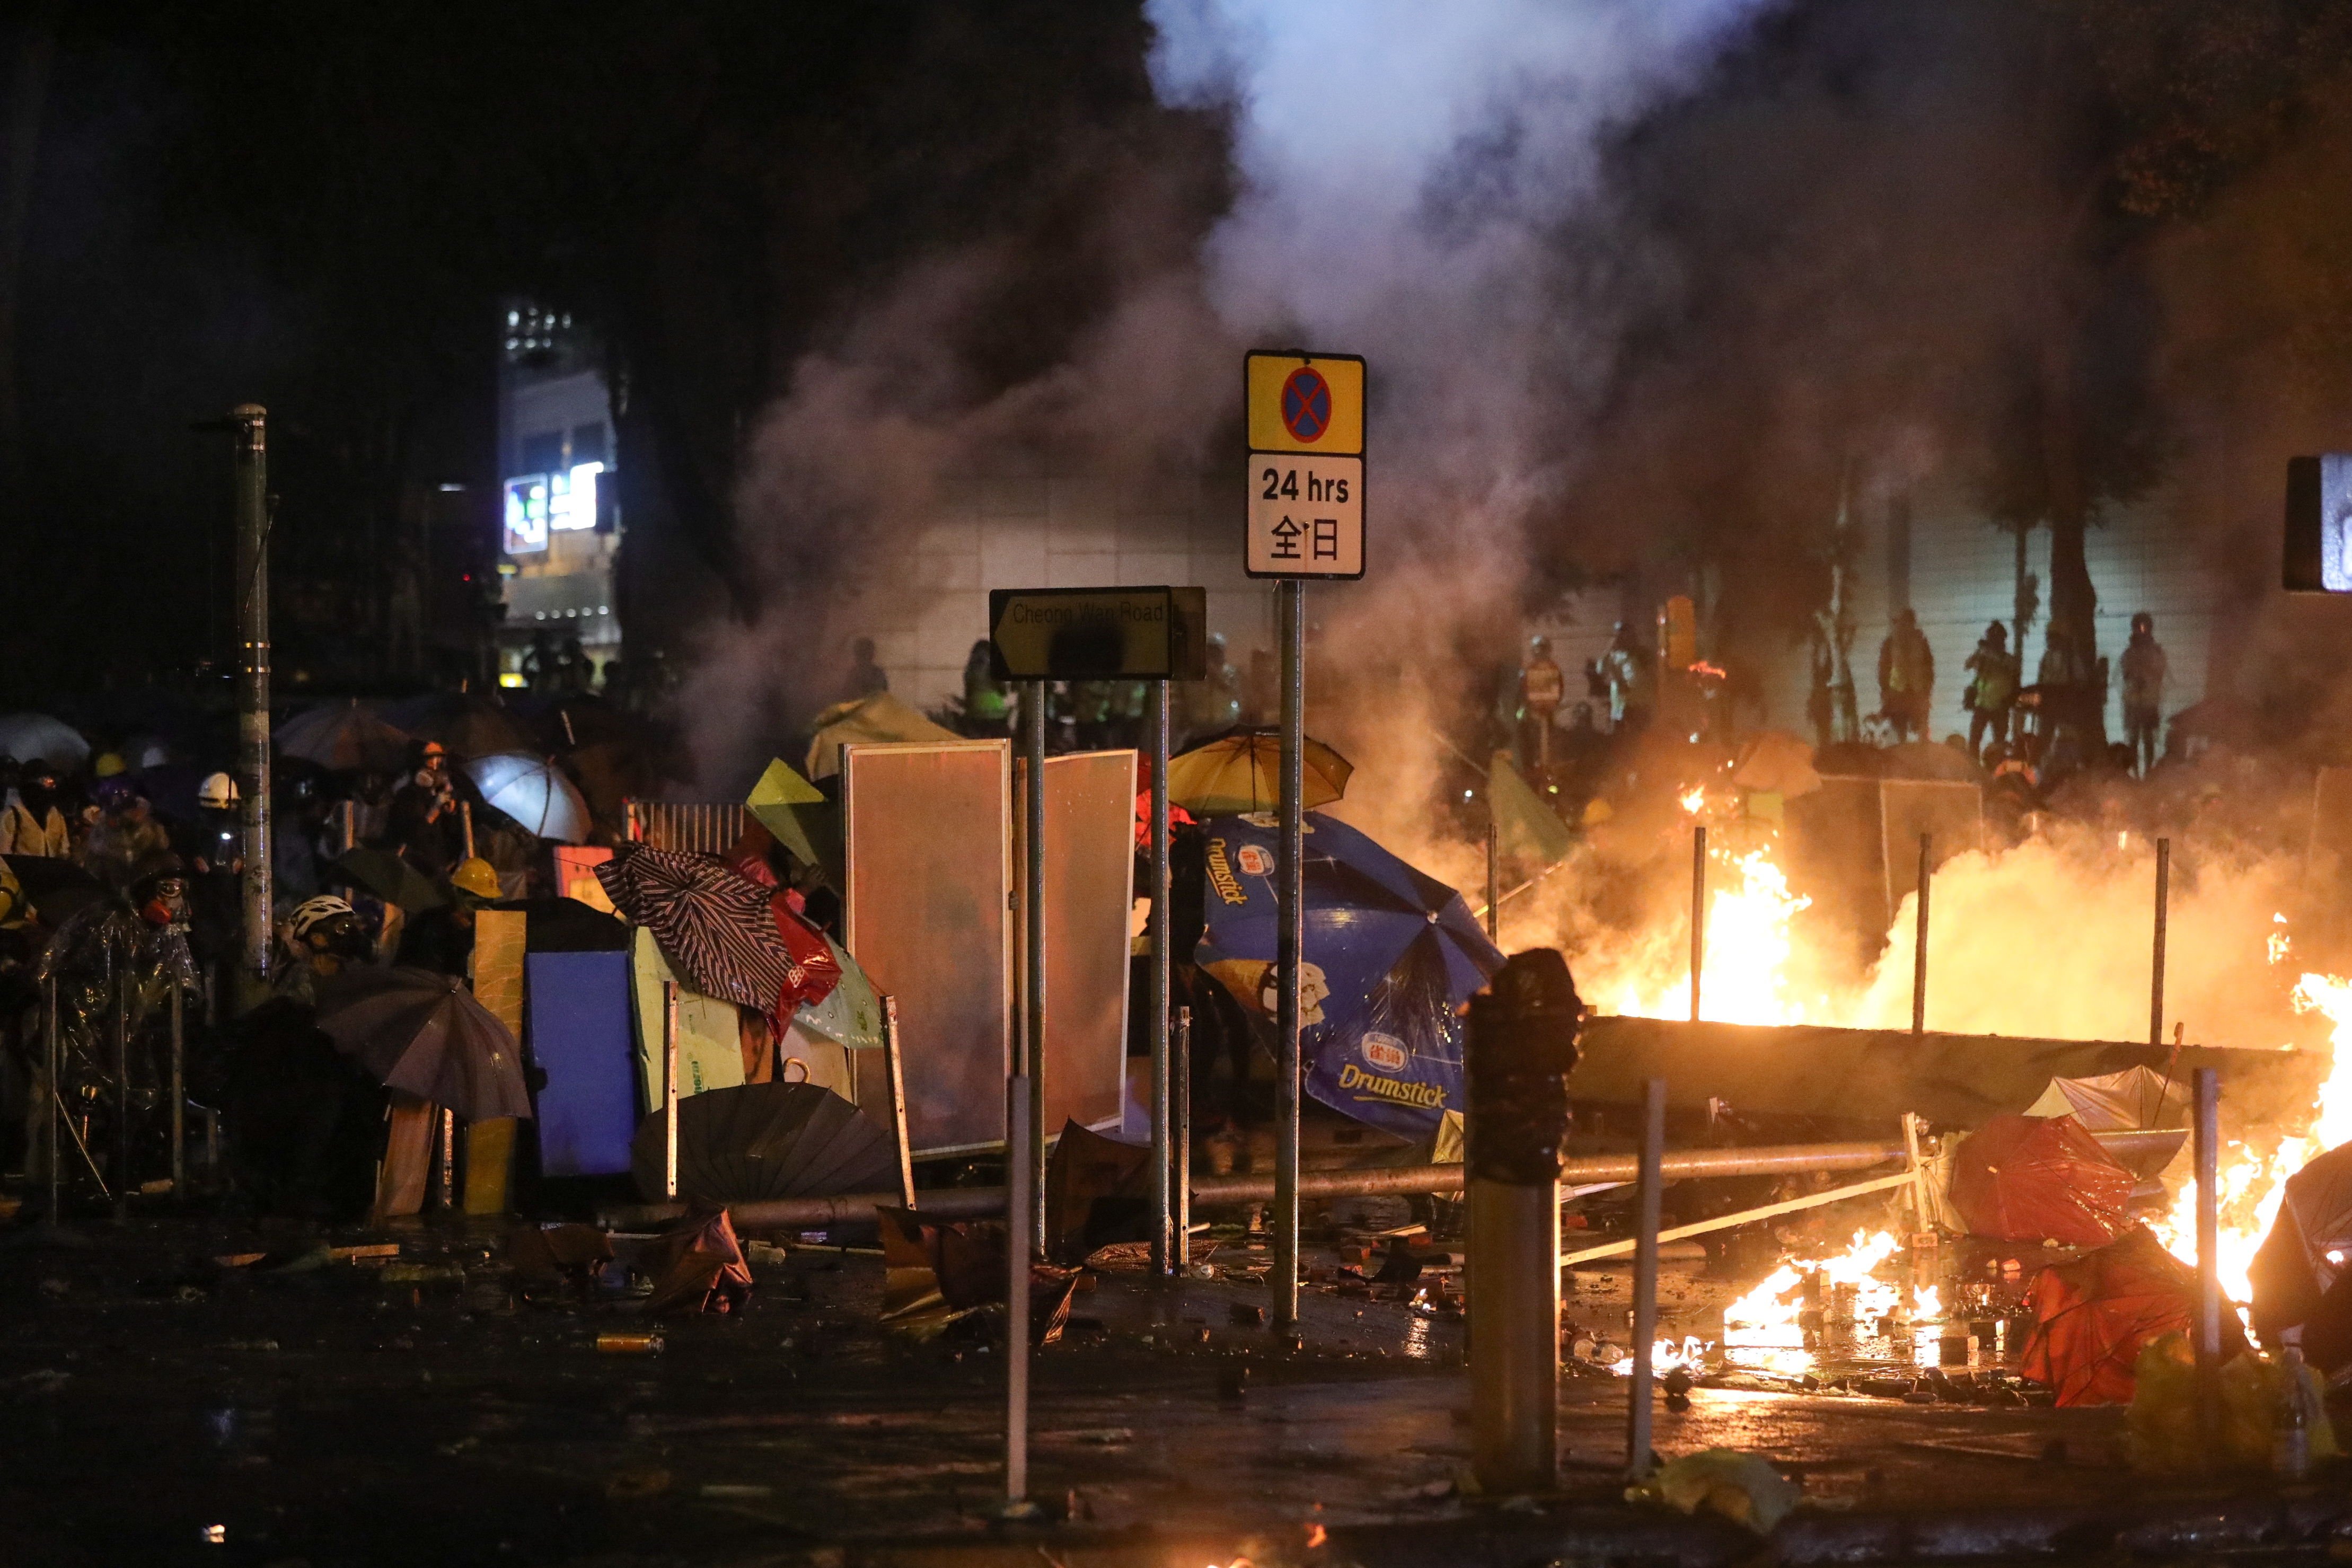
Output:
[[715, 927]]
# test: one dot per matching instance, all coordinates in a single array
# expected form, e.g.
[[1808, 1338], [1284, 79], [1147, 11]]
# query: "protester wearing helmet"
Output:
[[32, 824], [211, 849], [442, 939], [425, 829], [325, 936]]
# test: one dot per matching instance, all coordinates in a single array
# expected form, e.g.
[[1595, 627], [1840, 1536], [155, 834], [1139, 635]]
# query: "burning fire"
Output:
[[2253, 1183], [1748, 948], [1765, 1327]]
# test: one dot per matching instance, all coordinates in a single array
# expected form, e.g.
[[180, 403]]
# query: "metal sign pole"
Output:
[[669, 1090], [1016, 1296], [1919, 941], [1030, 1149], [1698, 913], [1290, 929], [2163, 909], [252, 557], [1163, 1240], [1181, 1109]]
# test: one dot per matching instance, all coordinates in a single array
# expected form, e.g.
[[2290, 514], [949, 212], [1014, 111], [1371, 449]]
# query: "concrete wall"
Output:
[[1051, 532]]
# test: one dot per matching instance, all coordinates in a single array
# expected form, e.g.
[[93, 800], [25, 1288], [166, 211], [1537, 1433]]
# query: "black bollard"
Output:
[[1522, 1043]]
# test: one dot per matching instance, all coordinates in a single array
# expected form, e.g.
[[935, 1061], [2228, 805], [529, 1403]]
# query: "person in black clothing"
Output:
[[424, 828], [442, 940]]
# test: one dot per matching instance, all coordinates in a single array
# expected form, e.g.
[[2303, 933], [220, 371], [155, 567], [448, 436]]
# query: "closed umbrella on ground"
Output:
[[424, 1033], [716, 928], [342, 736], [25, 736], [1241, 771], [534, 791], [761, 1141]]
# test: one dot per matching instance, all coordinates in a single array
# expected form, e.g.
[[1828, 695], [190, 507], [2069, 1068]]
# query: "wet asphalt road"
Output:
[[156, 1409]]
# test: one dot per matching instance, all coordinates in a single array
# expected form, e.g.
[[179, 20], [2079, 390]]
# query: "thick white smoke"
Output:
[[1409, 172]]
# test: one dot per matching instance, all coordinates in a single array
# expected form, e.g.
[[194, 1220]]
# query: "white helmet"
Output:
[[218, 791], [311, 912]]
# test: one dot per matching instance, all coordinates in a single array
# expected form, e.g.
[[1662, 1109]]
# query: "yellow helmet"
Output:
[[475, 876], [109, 763]]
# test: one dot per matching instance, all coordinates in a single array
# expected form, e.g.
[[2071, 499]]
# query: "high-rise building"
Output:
[[559, 514]]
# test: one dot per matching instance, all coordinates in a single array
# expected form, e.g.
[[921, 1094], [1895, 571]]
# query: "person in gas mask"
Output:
[[33, 824]]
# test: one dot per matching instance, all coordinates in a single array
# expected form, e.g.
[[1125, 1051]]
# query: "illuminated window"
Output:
[[526, 514]]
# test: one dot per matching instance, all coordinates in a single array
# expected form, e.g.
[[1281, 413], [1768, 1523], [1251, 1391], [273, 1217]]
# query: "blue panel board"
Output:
[[579, 1011]]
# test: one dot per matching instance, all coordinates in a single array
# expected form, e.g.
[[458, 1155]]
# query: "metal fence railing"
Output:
[[707, 827]]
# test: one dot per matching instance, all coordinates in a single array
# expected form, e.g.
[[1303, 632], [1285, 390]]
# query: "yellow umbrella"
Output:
[[1241, 772], [878, 718]]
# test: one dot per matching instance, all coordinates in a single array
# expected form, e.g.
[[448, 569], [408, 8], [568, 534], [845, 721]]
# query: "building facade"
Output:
[[561, 527]]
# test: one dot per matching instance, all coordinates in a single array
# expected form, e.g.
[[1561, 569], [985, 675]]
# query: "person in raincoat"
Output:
[[1992, 690], [31, 823], [985, 708], [1906, 676]]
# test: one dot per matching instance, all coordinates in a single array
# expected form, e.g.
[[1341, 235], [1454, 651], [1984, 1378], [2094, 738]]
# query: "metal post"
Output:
[[122, 1157], [1180, 1134], [1698, 913], [1919, 941], [1289, 938], [1163, 1202], [894, 1062], [179, 1097], [252, 503], [1493, 913], [2163, 908], [52, 1054], [1032, 1145], [1018, 1246], [670, 1088], [1645, 1277], [448, 1159], [466, 820], [2207, 1097]]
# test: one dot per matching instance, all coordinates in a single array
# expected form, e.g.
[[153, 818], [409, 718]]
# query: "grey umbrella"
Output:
[[425, 1033]]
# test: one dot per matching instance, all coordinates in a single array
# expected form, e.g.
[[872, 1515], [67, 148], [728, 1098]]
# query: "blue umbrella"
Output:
[[1391, 954]]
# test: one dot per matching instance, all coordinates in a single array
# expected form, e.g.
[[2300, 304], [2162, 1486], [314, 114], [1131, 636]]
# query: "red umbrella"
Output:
[[2094, 1316], [2034, 1178]]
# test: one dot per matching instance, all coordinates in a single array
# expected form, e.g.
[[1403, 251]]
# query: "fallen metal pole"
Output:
[[1744, 1217], [2206, 1099], [968, 1203], [894, 1062], [2156, 970], [1698, 913], [1650, 1188], [670, 1088], [1016, 1294], [1919, 939]]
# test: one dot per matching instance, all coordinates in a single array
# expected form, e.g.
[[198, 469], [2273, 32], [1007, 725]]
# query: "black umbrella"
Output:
[[465, 722], [389, 877], [760, 1141], [715, 927], [57, 888], [425, 1033], [342, 736]]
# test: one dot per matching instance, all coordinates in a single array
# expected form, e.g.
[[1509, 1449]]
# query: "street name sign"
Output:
[[1305, 465], [1099, 634]]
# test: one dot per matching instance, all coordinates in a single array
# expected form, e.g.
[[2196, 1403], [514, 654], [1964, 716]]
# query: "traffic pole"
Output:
[[1017, 1248], [1919, 941], [1289, 938], [1030, 1148], [249, 422], [1698, 914], [2156, 968], [1164, 1248], [1181, 1115], [669, 1090]]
